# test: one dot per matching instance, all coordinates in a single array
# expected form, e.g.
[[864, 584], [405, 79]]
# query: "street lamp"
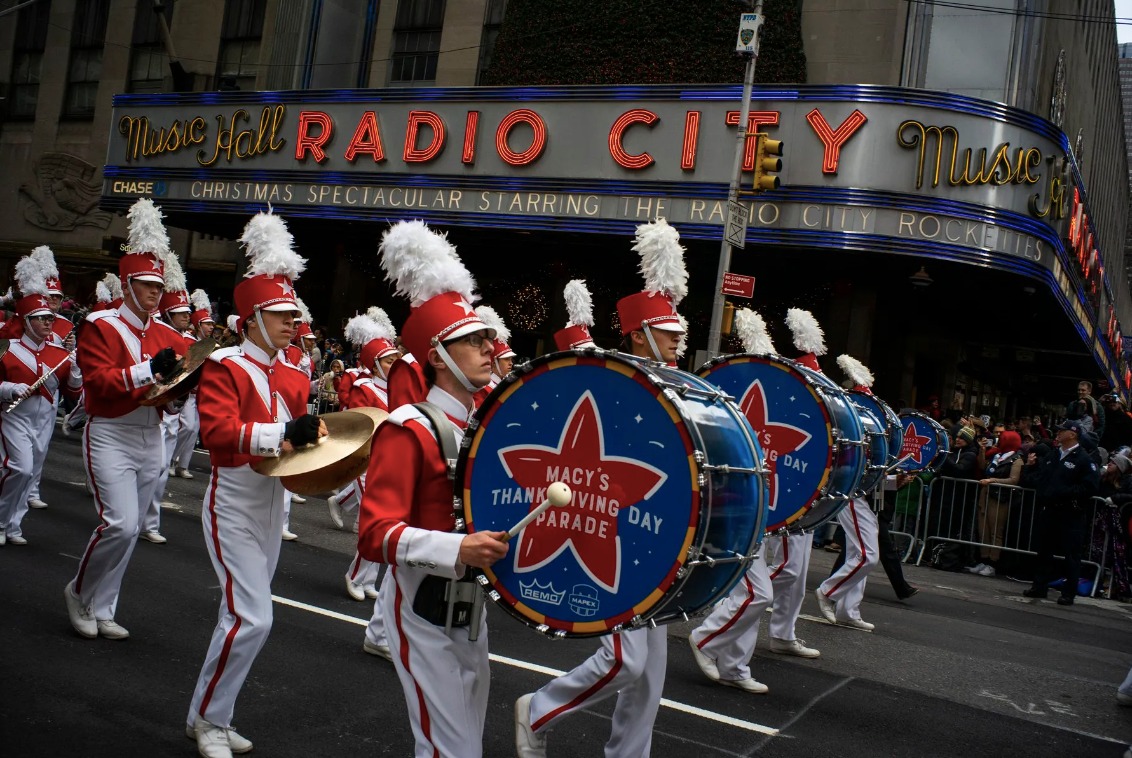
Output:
[[921, 278]]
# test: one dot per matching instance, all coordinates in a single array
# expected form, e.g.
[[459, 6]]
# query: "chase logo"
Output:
[[583, 600], [541, 593]]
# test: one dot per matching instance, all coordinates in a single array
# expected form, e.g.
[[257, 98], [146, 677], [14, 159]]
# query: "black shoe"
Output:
[[908, 593], [1065, 600], [1039, 594]]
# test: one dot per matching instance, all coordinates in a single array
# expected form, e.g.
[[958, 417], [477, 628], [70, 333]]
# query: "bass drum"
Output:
[[884, 434], [926, 443], [668, 502], [809, 430]]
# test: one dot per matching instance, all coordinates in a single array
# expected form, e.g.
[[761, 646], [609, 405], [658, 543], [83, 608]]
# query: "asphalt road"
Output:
[[966, 668]]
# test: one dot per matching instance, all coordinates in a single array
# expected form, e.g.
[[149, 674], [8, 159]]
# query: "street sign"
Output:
[[736, 224], [748, 41], [739, 285]]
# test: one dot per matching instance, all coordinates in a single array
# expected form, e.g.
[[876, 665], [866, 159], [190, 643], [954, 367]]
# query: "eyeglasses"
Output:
[[46, 318], [475, 340]]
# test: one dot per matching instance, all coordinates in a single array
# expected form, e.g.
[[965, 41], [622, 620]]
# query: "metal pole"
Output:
[[15, 8], [732, 196]]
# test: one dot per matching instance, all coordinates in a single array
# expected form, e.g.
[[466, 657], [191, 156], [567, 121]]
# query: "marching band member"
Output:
[[122, 353], [723, 644], [25, 364], [297, 356], [788, 555], [439, 648], [175, 310], [107, 295], [253, 404], [628, 664], [502, 356], [353, 373], [201, 325], [580, 310]]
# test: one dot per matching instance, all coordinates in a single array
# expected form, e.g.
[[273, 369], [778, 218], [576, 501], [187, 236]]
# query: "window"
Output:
[[492, 23], [88, 32], [27, 56], [239, 44], [149, 63], [416, 41]]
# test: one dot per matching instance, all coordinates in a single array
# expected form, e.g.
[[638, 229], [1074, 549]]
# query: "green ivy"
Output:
[[544, 42]]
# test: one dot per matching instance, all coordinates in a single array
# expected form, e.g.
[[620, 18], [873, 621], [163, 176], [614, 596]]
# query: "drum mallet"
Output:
[[558, 494]]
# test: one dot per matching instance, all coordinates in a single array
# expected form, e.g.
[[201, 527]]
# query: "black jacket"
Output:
[[960, 463], [1074, 478]]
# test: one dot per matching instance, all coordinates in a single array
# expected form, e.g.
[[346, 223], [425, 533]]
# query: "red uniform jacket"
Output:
[[114, 357], [24, 363], [245, 399], [369, 392], [406, 513], [349, 376]]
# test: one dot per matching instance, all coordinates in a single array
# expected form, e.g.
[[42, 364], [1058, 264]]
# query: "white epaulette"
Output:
[[225, 352], [98, 315], [408, 413]]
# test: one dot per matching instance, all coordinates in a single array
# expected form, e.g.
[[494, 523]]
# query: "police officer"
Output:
[[1065, 480]]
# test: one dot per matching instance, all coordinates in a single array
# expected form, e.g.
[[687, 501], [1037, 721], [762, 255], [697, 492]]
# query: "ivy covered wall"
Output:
[[545, 42]]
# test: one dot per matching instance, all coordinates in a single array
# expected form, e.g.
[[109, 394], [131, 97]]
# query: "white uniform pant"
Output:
[[187, 433], [77, 416], [788, 561], [375, 629], [45, 438], [846, 587], [23, 446], [630, 665], [151, 517], [728, 635], [242, 520], [350, 497], [445, 676], [122, 467], [362, 572]]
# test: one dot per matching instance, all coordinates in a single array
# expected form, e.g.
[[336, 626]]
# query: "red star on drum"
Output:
[[913, 444], [776, 439]]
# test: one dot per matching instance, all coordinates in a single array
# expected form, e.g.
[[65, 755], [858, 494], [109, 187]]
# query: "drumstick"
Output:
[[558, 494], [899, 463]]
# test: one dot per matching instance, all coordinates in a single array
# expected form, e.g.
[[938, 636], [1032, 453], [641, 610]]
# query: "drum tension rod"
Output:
[[725, 468]]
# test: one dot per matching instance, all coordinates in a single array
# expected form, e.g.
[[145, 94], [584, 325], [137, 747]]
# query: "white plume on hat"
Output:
[[31, 276], [662, 259], [855, 370], [113, 285], [753, 332], [174, 274], [46, 257], [200, 300], [492, 320], [270, 247], [422, 263], [147, 233], [361, 329], [233, 323], [381, 318], [304, 311], [102, 293], [682, 340], [7, 298], [579, 303], [808, 336]]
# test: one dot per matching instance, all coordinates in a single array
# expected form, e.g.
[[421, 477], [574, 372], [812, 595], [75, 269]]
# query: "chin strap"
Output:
[[451, 364], [263, 331], [134, 298], [652, 344], [31, 334]]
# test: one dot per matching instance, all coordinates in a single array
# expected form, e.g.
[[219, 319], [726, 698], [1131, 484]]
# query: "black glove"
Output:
[[163, 362], [302, 430]]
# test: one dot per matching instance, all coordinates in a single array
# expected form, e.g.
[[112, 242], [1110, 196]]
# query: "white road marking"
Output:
[[548, 671], [758, 748]]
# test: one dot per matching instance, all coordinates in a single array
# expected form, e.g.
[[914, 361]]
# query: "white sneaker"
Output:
[[858, 624], [335, 511], [289, 536], [371, 591], [793, 647], [112, 630], [381, 651], [236, 743], [82, 619], [706, 664], [826, 606], [3, 538], [976, 568], [299, 499], [356, 591], [16, 540], [527, 743], [36, 503], [172, 471], [212, 740], [986, 571], [184, 473], [747, 685], [156, 538]]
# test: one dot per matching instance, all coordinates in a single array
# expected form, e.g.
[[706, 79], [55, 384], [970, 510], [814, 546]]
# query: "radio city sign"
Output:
[[657, 141]]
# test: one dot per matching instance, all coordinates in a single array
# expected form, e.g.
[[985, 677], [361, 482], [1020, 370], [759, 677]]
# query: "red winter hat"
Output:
[[666, 281], [425, 267], [148, 245], [273, 268], [808, 337], [580, 309]]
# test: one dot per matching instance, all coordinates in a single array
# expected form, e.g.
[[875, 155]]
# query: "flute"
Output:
[[39, 383]]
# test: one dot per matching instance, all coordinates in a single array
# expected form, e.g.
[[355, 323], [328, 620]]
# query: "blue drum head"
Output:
[[925, 442]]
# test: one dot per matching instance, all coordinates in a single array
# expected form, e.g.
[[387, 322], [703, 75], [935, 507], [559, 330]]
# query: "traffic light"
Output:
[[766, 164], [728, 320]]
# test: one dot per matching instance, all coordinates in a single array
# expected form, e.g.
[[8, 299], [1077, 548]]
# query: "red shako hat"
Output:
[[861, 377], [108, 293], [148, 244], [752, 332], [666, 281], [269, 283], [373, 334], [302, 323], [202, 308], [808, 337], [31, 279], [580, 309], [175, 298]]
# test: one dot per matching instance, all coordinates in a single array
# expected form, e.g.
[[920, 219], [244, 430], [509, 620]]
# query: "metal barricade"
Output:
[[998, 517], [905, 504]]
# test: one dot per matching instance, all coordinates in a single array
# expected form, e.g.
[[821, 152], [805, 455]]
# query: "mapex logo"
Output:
[[583, 600], [541, 593]]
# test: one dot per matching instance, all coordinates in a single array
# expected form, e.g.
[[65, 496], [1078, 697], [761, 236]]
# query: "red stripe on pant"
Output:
[[101, 509], [426, 726], [733, 619], [588, 693], [860, 542], [785, 557], [231, 637]]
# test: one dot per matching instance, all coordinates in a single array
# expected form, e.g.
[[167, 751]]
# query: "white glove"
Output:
[[9, 391]]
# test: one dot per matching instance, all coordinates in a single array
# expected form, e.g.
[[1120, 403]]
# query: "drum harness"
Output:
[[448, 602]]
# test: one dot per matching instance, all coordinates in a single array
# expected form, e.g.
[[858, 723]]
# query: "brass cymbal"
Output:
[[183, 377], [347, 434], [4, 347], [340, 472]]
